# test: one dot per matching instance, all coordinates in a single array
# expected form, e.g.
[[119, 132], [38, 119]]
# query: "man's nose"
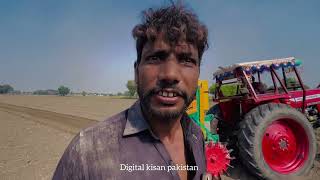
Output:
[[169, 72]]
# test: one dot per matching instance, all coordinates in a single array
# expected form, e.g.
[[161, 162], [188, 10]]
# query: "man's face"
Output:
[[167, 77]]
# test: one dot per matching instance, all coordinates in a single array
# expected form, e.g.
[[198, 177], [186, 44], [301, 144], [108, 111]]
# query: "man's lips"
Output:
[[166, 100]]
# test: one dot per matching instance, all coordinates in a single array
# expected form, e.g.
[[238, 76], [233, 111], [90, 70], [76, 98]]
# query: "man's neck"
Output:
[[164, 128], [170, 133]]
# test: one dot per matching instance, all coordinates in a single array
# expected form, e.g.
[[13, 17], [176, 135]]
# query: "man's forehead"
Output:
[[161, 43]]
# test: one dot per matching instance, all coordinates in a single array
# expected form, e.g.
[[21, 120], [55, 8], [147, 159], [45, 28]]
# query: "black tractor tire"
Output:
[[252, 131]]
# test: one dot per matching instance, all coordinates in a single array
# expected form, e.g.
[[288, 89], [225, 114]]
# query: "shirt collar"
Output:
[[135, 120]]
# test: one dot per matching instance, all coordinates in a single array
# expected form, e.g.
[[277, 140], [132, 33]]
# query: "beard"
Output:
[[151, 111]]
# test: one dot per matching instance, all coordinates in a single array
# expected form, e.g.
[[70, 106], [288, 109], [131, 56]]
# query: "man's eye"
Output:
[[153, 59], [189, 61]]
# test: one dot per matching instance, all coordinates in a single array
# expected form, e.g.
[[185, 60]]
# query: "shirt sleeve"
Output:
[[70, 166]]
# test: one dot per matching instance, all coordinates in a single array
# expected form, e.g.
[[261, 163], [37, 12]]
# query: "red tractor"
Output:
[[265, 113]]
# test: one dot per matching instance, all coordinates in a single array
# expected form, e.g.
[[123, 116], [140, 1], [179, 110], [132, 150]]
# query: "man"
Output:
[[153, 139]]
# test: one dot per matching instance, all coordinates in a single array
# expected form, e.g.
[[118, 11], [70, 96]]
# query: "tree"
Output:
[[84, 93], [212, 89], [226, 89], [45, 92], [6, 88], [63, 90], [132, 87], [293, 83], [229, 89], [127, 93]]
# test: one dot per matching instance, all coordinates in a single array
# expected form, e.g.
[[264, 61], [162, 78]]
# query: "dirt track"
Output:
[[33, 138]]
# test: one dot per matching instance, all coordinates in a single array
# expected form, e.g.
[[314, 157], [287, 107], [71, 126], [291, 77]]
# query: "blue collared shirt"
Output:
[[123, 147]]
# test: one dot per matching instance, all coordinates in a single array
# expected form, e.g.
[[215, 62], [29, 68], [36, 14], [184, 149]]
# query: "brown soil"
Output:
[[29, 150], [35, 130]]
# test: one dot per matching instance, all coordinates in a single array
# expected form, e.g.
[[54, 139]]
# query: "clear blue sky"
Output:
[[87, 45]]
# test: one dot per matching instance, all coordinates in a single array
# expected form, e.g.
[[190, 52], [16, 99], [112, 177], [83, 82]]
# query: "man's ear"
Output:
[[136, 72]]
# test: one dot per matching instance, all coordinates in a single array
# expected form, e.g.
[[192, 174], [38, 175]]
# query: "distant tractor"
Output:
[[263, 111]]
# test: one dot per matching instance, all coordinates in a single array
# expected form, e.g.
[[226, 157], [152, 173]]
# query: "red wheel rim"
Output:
[[285, 146]]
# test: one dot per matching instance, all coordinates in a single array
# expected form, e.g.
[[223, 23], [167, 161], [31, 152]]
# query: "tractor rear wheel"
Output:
[[276, 142]]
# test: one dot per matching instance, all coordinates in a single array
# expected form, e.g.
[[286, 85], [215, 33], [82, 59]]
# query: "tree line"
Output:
[[62, 90], [5, 89], [227, 90]]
